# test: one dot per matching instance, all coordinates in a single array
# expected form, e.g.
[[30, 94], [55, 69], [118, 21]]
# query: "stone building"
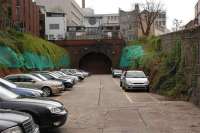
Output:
[[130, 27], [129, 24], [55, 25], [73, 12], [197, 12]]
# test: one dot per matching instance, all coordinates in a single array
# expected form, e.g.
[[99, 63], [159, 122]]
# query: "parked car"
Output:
[[45, 112], [66, 83], [16, 122], [74, 72], [65, 76], [86, 74], [134, 80], [21, 91], [54, 76], [45, 79], [30, 81], [116, 73]]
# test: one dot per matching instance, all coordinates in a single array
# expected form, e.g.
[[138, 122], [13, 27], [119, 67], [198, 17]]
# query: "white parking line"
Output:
[[127, 96], [116, 82], [124, 93]]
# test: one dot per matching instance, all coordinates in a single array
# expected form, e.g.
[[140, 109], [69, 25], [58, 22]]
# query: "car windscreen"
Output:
[[118, 71], [61, 73], [7, 83], [57, 74], [54, 75], [6, 94], [35, 78], [135, 75], [41, 77], [47, 76]]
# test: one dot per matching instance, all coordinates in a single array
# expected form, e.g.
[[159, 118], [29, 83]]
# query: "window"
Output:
[[13, 79], [17, 3], [51, 37], [60, 37], [54, 26], [25, 79]]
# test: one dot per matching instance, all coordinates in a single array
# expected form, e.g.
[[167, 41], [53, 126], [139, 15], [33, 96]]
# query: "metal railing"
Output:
[[93, 35]]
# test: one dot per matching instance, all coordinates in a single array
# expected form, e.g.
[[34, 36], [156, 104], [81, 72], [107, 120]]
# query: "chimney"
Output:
[[137, 7], [83, 3]]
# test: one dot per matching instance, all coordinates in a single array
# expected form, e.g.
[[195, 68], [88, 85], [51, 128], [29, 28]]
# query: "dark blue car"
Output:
[[20, 91]]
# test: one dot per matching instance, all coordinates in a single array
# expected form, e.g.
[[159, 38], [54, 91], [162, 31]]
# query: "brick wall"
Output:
[[26, 16], [190, 40]]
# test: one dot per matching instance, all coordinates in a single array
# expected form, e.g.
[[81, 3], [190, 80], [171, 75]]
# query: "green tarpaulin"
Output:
[[131, 55]]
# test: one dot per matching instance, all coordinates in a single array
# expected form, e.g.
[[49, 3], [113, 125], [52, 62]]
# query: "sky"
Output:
[[179, 9]]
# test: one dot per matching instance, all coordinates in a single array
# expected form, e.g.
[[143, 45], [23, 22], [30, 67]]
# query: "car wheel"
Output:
[[47, 91], [147, 89], [120, 84], [123, 88]]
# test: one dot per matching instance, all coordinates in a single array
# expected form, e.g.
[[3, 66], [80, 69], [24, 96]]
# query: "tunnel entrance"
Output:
[[96, 63]]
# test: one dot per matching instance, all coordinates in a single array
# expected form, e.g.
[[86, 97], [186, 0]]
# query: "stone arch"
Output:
[[96, 63]]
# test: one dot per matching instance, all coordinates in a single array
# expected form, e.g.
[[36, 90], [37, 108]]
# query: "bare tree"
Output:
[[151, 9], [177, 24]]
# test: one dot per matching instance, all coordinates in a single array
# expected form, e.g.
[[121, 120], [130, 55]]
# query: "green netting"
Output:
[[9, 58], [64, 61], [21, 50], [131, 55], [34, 61]]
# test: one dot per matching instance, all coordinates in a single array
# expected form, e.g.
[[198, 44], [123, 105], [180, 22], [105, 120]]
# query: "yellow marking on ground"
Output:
[[124, 93]]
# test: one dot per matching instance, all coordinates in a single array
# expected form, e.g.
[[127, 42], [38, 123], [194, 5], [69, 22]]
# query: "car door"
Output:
[[123, 78], [26, 82], [14, 79]]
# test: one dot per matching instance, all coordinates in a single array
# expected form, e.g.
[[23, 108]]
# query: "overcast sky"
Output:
[[180, 9]]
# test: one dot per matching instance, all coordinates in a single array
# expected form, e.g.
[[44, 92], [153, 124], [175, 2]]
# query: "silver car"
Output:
[[62, 75], [132, 80], [30, 81]]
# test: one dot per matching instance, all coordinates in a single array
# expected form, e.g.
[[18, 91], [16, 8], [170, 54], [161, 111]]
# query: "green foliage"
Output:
[[170, 78], [165, 69]]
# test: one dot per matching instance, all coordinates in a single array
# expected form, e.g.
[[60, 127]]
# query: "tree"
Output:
[[150, 11], [177, 24]]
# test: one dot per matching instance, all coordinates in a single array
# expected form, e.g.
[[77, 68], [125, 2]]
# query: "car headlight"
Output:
[[146, 82], [13, 130], [55, 110], [128, 82]]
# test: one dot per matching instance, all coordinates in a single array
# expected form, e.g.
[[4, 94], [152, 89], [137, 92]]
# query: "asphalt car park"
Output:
[[100, 105], [26, 93]]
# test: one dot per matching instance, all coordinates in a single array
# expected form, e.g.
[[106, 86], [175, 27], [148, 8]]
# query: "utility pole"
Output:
[[83, 3]]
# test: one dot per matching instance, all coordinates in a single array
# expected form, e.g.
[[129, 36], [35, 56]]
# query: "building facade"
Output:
[[23, 15], [73, 12], [130, 24], [96, 26], [197, 12], [55, 26]]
